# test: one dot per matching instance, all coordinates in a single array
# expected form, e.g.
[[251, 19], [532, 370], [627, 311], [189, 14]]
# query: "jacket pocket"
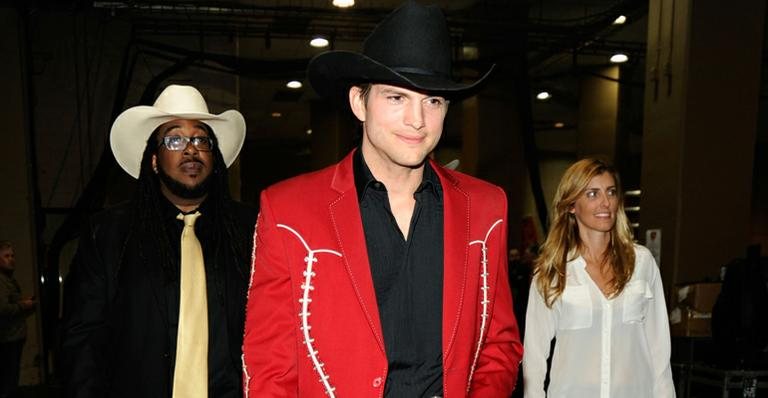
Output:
[[576, 312], [637, 296]]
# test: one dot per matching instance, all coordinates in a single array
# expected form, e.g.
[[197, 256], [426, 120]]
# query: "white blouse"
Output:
[[605, 348]]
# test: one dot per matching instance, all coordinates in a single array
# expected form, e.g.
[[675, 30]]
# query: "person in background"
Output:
[[154, 303], [13, 327], [384, 275], [599, 294]]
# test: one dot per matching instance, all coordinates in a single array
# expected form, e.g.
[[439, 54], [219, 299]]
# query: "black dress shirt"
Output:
[[407, 275], [223, 377]]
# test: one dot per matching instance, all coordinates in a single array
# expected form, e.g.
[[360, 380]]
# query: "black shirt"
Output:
[[407, 275], [223, 377]]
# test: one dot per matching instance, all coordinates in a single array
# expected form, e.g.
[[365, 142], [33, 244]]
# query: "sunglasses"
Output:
[[180, 142]]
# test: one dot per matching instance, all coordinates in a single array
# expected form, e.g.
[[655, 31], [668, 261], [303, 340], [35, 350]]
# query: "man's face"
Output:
[[183, 172], [400, 126], [7, 259]]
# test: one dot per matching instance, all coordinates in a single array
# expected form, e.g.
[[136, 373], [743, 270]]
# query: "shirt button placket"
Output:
[[605, 359]]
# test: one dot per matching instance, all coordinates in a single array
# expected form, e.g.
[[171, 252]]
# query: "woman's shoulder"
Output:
[[642, 252], [645, 264]]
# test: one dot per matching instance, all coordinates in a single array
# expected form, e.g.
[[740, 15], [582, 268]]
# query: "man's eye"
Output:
[[395, 98], [436, 101]]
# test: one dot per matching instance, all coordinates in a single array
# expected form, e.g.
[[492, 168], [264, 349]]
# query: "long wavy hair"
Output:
[[563, 243]]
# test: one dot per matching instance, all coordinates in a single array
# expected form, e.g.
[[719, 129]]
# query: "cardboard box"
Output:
[[700, 297], [684, 321]]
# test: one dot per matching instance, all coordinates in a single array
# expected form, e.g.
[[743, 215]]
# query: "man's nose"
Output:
[[190, 149], [415, 115]]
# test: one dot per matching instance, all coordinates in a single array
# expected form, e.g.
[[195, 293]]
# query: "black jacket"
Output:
[[119, 330]]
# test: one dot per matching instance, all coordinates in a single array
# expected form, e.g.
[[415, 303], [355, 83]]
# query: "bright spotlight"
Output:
[[319, 42], [619, 58], [343, 3]]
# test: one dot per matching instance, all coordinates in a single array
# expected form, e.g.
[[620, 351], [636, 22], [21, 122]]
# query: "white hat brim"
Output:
[[132, 128]]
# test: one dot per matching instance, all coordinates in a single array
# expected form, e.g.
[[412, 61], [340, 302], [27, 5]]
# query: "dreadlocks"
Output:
[[149, 230]]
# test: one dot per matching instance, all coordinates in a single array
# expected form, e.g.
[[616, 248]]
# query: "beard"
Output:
[[184, 191]]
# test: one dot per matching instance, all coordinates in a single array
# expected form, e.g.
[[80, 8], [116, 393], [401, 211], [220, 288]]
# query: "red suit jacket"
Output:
[[312, 324]]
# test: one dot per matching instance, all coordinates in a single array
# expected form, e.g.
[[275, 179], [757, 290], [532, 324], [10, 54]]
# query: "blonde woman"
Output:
[[599, 295]]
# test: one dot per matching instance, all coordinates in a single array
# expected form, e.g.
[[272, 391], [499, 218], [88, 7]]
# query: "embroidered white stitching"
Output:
[[306, 287], [247, 383], [484, 302]]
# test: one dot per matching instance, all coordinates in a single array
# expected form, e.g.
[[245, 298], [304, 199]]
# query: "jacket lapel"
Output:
[[148, 266], [345, 214], [455, 252]]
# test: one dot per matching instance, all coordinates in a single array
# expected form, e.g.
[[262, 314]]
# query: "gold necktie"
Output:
[[190, 376]]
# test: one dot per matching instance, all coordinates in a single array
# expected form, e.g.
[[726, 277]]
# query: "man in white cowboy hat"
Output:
[[155, 296], [385, 274]]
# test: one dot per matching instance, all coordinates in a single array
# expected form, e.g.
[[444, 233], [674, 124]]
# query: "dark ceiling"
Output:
[[556, 36]]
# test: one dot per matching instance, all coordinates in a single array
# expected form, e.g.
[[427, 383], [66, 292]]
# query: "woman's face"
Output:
[[595, 209]]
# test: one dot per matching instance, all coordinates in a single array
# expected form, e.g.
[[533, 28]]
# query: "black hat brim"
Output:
[[332, 73]]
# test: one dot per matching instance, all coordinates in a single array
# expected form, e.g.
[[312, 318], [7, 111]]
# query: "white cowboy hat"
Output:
[[132, 128]]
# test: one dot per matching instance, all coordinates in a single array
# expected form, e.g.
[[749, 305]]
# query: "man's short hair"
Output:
[[365, 91]]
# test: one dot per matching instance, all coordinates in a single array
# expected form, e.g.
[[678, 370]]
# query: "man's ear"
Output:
[[357, 102], [154, 162]]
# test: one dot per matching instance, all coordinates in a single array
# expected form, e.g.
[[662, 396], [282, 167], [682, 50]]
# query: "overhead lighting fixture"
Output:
[[543, 96], [469, 52], [619, 58], [343, 3], [294, 84], [319, 42], [309, 131], [559, 125], [277, 114], [620, 20]]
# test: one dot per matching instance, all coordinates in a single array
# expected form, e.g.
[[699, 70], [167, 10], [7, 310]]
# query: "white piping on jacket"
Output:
[[484, 302], [246, 376], [306, 288]]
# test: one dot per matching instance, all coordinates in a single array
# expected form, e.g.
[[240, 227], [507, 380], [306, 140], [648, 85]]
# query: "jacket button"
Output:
[[377, 382]]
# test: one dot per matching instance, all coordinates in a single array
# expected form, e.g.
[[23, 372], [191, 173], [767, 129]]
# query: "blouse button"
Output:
[[377, 382]]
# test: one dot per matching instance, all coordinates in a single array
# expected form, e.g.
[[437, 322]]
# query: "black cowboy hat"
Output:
[[410, 48]]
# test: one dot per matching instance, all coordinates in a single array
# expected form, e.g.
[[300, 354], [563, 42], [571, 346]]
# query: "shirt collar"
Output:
[[364, 179], [170, 211]]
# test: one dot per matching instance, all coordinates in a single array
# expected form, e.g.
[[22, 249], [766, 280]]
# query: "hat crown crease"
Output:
[[414, 38], [177, 99]]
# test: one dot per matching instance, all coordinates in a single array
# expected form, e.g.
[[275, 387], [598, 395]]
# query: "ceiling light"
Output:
[[559, 125], [309, 131], [294, 84], [469, 53], [619, 58], [343, 3], [319, 42], [543, 96], [620, 20], [277, 114]]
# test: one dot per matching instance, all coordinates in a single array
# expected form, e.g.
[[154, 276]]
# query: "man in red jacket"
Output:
[[385, 274]]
